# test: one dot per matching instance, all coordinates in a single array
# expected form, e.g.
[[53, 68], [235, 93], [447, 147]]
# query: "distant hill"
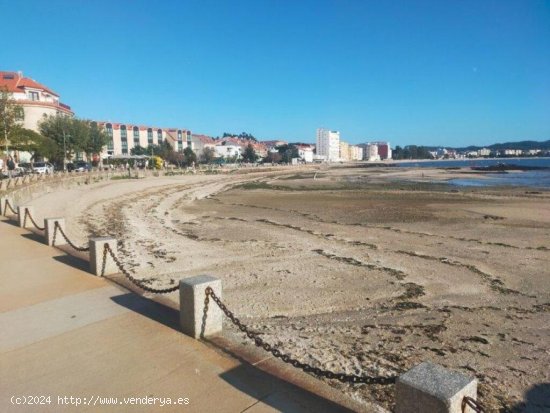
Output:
[[523, 145]]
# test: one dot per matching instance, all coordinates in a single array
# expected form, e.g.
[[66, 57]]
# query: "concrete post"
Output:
[[3, 200], [49, 224], [97, 246], [432, 388], [193, 319], [25, 223]]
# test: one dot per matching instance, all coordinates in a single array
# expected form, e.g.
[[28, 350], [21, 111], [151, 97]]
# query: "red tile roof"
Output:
[[16, 83]]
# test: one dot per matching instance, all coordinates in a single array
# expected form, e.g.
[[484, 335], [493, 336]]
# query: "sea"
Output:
[[535, 179]]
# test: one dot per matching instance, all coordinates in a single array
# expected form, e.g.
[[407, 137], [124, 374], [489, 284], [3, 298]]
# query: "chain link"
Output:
[[140, 283], [344, 378], [7, 205], [57, 227], [28, 214], [472, 404]]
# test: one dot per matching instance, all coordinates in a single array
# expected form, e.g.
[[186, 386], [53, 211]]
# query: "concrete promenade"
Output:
[[67, 333]]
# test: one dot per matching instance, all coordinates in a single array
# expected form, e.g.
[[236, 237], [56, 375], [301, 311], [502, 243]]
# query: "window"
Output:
[[34, 96], [159, 136], [109, 131], [150, 136], [136, 136], [189, 141], [180, 141], [124, 139]]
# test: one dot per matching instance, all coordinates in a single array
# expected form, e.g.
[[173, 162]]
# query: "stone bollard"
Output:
[[97, 247], [49, 225], [25, 223], [432, 388], [3, 208], [193, 320]]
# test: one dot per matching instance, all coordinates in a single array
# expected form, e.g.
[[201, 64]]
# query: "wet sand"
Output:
[[361, 270]]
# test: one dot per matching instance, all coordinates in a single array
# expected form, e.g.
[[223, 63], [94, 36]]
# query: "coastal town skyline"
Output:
[[371, 71]]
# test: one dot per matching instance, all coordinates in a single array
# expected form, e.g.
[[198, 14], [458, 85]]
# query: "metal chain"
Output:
[[344, 378], [28, 214], [472, 404], [140, 283], [7, 205], [57, 227]]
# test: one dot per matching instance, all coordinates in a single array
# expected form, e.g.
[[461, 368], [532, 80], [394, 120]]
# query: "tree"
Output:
[[138, 150], [411, 152], [97, 138], [273, 157], [189, 157], [28, 140], [242, 135], [288, 152], [11, 117], [72, 135], [249, 154], [164, 150], [150, 150], [207, 155], [68, 136]]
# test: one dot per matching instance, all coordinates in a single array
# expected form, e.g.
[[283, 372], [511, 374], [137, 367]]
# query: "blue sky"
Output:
[[449, 73]]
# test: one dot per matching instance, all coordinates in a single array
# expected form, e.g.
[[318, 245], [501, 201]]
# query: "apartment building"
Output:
[[328, 144], [124, 137]]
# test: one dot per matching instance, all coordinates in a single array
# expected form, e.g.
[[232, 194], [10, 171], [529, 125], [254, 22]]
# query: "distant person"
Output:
[[11, 167]]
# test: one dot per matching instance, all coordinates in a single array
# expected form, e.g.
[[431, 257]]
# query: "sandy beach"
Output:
[[361, 270]]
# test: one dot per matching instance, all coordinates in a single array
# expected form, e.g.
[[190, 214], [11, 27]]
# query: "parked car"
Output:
[[82, 166], [25, 168], [42, 168]]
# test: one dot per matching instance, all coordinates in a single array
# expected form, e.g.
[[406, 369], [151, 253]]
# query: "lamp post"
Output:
[[6, 135], [65, 150]]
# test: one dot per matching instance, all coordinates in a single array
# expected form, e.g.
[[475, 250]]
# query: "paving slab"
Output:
[[30, 273]]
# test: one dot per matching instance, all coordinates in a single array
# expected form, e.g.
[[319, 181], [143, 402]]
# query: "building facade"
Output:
[[344, 151], [384, 150], [328, 144], [36, 99], [125, 137], [356, 153]]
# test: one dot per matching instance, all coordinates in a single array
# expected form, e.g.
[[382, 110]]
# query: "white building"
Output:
[[124, 137], [356, 153], [306, 154], [328, 144], [371, 152], [484, 152], [228, 151]]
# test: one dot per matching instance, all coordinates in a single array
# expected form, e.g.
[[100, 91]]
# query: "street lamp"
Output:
[[65, 151]]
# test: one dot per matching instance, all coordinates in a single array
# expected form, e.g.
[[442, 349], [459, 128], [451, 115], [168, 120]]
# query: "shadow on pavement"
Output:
[[75, 262], [158, 312], [11, 220], [34, 236]]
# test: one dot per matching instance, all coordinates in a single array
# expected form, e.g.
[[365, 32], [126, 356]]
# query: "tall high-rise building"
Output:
[[328, 144]]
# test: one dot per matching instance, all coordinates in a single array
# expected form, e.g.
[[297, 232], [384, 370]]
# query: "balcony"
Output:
[[63, 107]]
